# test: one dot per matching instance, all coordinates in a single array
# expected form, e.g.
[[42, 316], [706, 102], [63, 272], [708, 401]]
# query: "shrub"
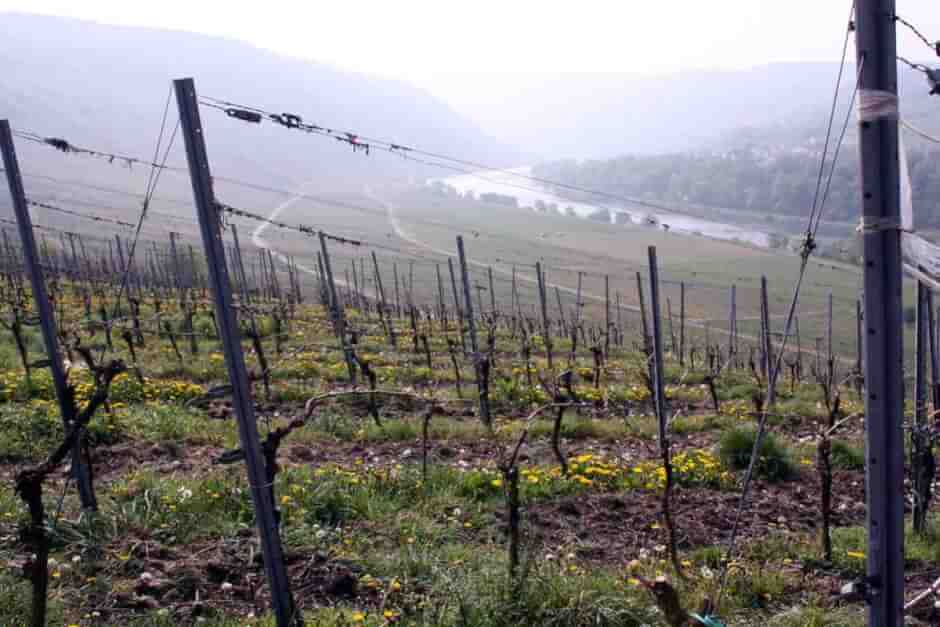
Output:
[[847, 456], [775, 463]]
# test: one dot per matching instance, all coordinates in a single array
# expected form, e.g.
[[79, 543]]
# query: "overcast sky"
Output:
[[433, 42]]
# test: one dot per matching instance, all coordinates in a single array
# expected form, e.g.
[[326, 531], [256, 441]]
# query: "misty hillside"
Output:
[[768, 161], [606, 115], [105, 86]]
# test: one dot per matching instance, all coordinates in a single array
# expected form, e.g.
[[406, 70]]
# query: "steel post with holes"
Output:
[[471, 323], [647, 342], [606, 316], [543, 308], [619, 322], [578, 304], [383, 306], [191, 125], [457, 305], [934, 357], [397, 291], [733, 324], [275, 285], [859, 346], [357, 295], [489, 273], [876, 49], [338, 311], [177, 272], [682, 324], [241, 279], [442, 306], [561, 314], [120, 254], [658, 369], [829, 355], [767, 346], [920, 481], [46, 313]]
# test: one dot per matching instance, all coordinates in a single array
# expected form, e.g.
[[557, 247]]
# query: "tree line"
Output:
[[753, 179]]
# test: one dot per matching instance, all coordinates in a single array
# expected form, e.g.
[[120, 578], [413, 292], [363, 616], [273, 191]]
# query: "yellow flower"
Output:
[[358, 617], [497, 483], [855, 555]]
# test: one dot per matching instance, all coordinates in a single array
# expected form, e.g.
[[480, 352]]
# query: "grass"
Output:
[[847, 456], [850, 544], [774, 461], [429, 550]]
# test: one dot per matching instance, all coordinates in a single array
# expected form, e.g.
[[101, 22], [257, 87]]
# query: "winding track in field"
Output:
[[257, 239], [257, 236]]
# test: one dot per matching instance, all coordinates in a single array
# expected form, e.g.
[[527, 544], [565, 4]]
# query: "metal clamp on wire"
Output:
[[933, 78], [862, 590], [245, 116], [878, 225], [809, 245]]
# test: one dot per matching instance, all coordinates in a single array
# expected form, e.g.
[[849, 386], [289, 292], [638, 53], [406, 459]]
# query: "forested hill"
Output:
[[770, 167], [762, 180]]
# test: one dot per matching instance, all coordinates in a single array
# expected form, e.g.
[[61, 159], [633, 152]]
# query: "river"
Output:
[[508, 183]]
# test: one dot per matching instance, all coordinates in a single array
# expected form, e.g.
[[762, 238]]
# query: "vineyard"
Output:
[[390, 434], [397, 501]]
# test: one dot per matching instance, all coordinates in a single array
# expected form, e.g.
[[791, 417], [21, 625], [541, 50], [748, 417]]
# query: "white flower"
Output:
[[226, 586]]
